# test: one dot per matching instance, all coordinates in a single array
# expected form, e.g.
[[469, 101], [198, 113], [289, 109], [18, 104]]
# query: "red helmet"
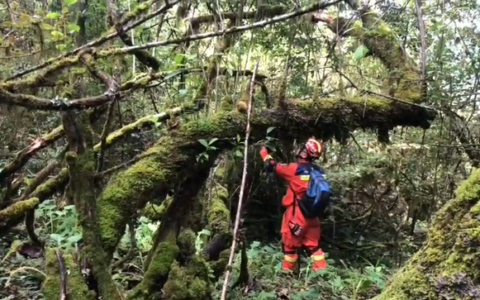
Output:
[[314, 148]]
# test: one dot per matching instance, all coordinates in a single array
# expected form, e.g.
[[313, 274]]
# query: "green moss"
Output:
[[227, 103], [128, 191], [450, 254], [384, 44], [186, 242], [76, 288], [217, 213], [190, 282], [158, 270], [17, 209], [156, 212]]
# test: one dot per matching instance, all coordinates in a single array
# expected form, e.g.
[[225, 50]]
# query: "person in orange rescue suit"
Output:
[[297, 231]]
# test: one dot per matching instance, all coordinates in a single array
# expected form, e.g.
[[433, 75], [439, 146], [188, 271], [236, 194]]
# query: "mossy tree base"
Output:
[[448, 265], [76, 289]]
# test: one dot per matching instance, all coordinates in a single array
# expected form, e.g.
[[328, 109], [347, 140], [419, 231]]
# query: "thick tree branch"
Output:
[[30, 101]]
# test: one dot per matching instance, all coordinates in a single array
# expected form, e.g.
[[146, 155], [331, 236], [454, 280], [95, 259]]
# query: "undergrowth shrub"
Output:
[[338, 281]]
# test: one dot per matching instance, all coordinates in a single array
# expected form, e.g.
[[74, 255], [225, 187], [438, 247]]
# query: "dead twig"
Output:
[[63, 275], [242, 188]]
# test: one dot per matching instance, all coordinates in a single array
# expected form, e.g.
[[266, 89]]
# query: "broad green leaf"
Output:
[[70, 2], [52, 15], [178, 58], [360, 52], [203, 142], [238, 153], [213, 141], [73, 27], [56, 33], [269, 129]]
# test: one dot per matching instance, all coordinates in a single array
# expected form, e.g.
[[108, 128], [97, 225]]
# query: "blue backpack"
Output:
[[317, 196]]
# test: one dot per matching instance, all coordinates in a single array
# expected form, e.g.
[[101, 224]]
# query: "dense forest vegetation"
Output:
[[124, 141]]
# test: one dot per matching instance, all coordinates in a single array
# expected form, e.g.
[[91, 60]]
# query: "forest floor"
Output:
[[21, 277]]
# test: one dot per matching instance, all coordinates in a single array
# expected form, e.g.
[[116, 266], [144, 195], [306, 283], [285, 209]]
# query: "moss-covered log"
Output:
[[173, 157], [17, 210], [448, 264]]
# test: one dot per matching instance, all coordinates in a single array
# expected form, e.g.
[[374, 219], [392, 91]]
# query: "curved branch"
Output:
[[30, 101]]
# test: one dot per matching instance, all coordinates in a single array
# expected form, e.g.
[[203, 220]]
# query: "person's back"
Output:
[[298, 231]]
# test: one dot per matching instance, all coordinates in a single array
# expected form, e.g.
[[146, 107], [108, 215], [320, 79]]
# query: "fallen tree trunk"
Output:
[[174, 156], [448, 264]]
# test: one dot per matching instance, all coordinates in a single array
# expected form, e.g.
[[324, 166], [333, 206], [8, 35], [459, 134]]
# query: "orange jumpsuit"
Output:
[[297, 231]]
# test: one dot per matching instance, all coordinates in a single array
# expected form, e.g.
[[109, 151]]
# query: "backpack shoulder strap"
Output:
[[294, 198]]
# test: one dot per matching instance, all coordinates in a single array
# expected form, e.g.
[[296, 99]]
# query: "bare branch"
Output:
[[98, 41], [231, 30]]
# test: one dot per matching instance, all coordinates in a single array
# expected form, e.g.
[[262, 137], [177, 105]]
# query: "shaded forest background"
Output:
[[123, 143]]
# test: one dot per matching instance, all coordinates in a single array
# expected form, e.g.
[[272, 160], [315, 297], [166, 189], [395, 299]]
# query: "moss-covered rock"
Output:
[[448, 265]]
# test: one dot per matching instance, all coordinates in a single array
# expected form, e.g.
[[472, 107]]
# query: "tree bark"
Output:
[[448, 264]]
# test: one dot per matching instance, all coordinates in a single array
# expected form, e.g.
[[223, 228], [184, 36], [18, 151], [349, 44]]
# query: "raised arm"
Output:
[[285, 171]]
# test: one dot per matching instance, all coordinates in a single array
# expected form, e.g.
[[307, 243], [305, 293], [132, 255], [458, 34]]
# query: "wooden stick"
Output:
[[242, 188]]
